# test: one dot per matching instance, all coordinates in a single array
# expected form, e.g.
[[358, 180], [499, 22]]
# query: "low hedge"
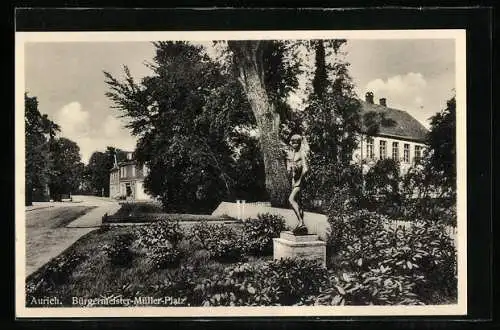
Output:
[[155, 217]]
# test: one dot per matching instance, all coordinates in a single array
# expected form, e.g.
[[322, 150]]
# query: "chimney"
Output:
[[369, 97], [383, 102]]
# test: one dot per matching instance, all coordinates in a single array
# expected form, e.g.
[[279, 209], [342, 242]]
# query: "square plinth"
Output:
[[312, 249]]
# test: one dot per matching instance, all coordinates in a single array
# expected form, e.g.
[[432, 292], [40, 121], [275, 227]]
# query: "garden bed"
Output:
[[206, 264]]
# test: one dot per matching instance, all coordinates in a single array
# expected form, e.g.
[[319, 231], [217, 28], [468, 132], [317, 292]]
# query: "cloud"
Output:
[[406, 92], [72, 119], [408, 84], [76, 125]]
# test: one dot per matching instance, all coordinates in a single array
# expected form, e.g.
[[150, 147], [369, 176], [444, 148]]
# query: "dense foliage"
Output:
[[382, 187], [387, 265], [442, 147], [222, 242], [280, 282], [192, 121], [210, 265], [53, 164], [119, 252], [36, 152], [66, 167], [259, 233], [161, 240], [331, 123]]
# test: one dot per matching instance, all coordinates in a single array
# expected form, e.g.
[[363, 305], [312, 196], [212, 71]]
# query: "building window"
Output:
[[418, 153], [406, 153], [122, 172], [383, 149], [369, 148], [395, 151], [133, 171]]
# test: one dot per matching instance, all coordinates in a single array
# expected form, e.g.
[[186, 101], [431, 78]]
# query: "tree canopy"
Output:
[[53, 165], [194, 128], [66, 167]]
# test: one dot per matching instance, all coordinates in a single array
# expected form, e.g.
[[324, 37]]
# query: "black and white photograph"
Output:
[[259, 173]]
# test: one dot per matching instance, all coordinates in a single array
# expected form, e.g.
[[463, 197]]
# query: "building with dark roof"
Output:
[[126, 179], [403, 139]]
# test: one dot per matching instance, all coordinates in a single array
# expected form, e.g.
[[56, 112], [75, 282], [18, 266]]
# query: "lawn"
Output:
[[55, 217]]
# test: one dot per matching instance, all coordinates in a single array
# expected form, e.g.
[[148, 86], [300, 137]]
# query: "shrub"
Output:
[[134, 208], [164, 257], [293, 281], [162, 233], [373, 287], [382, 193], [427, 196], [221, 241], [179, 284], [235, 286], [119, 252], [347, 224], [280, 282], [259, 233], [420, 259], [161, 241], [437, 260]]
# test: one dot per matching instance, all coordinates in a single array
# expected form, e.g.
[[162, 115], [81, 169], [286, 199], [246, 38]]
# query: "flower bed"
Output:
[[207, 264]]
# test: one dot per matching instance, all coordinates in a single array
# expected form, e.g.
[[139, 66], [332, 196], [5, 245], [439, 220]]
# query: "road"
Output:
[[53, 227]]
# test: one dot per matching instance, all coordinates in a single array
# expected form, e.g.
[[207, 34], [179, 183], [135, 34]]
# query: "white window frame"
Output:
[[383, 147], [370, 154], [406, 152], [418, 153], [395, 150]]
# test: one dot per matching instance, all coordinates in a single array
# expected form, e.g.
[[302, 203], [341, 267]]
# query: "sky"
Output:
[[67, 78]]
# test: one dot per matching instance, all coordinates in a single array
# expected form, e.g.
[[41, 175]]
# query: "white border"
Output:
[[460, 52]]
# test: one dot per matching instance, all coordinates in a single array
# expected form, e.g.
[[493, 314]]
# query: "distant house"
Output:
[[126, 180], [403, 141]]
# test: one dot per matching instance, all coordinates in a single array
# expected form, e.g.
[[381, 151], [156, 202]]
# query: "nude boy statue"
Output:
[[298, 168]]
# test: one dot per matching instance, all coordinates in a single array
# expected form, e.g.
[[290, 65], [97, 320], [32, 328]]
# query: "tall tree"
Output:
[[97, 173], [66, 170], [250, 64], [36, 152], [442, 146], [333, 121]]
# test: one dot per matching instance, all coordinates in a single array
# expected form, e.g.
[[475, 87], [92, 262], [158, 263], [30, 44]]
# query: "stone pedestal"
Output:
[[306, 247]]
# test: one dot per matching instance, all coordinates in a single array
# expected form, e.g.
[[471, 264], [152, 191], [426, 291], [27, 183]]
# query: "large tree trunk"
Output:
[[249, 63]]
